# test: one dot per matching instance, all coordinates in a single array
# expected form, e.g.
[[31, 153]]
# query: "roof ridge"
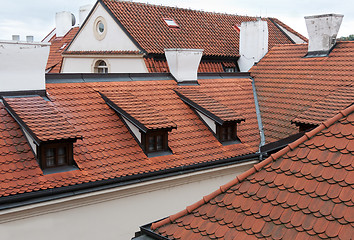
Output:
[[255, 168]]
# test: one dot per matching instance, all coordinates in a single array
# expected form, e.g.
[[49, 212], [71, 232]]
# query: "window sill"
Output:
[[59, 169], [159, 154]]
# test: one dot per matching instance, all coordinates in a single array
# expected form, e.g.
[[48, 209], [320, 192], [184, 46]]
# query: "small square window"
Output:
[[56, 155], [171, 23], [226, 132], [156, 141]]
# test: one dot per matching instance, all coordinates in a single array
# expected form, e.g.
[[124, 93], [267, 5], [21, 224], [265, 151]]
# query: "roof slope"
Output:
[[41, 118], [304, 191], [288, 84], [327, 107], [108, 150], [213, 32], [58, 45]]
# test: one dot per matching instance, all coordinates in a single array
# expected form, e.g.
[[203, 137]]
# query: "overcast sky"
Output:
[[36, 17]]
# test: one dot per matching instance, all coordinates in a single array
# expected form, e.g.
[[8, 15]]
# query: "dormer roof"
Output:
[[143, 115], [40, 118], [207, 105]]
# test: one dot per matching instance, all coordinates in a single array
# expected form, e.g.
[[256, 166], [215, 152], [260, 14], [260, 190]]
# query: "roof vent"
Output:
[[253, 43], [29, 39], [84, 12], [64, 22], [322, 30], [18, 70], [184, 63]]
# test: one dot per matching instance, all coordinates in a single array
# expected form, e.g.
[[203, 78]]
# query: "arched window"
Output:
[[101, 67]]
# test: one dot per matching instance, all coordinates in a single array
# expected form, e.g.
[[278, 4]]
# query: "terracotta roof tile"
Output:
[[195, 96], [102, 52], [288, 85], [42, 118], [215, 32], [311, 206], [58, 45], [107, 149]]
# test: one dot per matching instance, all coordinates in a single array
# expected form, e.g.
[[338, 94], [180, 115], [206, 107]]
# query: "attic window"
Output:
[[156, 141], [227, 132], [171, 23], [56, 155], [101, 67]]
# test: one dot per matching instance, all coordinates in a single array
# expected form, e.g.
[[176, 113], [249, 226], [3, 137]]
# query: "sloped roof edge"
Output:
[[254, 169]]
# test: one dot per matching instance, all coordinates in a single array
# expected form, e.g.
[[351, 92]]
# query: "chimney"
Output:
[[64, 22], [83, 13], [183, 64], [29, 39], [322, 30], [15, 37], [253, 43], [22, 66]]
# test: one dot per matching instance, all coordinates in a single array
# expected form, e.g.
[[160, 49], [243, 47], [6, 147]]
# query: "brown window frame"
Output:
[[69, 154], [225, 127], [155, 134]]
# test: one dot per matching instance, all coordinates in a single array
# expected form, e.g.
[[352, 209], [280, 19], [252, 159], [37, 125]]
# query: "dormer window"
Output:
[[221, 120], [171, 23], [101, 67], [49, 134], [148, 126]]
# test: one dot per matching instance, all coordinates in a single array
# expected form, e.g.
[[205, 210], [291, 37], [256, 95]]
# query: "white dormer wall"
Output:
[[115, 39], [133, 128], [22, 66], [294, 37], [210, 122]]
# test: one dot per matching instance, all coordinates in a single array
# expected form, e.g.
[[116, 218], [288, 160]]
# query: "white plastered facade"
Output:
[[114, 213], [115, 39]]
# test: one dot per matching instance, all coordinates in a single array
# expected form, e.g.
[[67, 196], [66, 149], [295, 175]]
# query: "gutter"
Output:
[[74, 190], [259, 120]]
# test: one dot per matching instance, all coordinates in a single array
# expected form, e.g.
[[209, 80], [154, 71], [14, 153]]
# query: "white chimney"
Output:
[[29, 39], [83, 13], [15, 37], [322, 30], [22, 66], [253, 43], [64, 22], [184, 63]]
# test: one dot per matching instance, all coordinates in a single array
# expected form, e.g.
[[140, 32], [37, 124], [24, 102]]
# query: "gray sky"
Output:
[[36, 17]]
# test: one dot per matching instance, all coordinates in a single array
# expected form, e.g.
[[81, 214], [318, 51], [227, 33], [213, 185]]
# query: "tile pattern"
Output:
[[139, 110], [213, 32], [42, 118], [58, 45], [196, 95], [108, 150], [305, 191], [327, 107], [288, 84], [160, 65], [289, 29]]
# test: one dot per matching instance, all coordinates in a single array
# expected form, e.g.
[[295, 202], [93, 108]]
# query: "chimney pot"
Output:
[[29, 39], [64, 22], [16, 37]]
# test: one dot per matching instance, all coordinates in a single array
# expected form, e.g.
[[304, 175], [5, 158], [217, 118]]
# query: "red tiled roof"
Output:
[[289, 29], [196, 96], [145, 114], [213, 32], [108, 150], [58, 45], [160, 65], [42, 118], [304, 191], [327, 107], [288, 84], [102, 52]]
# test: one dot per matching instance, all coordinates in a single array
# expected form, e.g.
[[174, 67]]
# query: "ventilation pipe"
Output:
[[184, 63], [83, 13], [253, 43], [322, 31], [18, 70], [64, 22]]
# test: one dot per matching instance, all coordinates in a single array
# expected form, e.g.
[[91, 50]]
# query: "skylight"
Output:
[[171, 23]]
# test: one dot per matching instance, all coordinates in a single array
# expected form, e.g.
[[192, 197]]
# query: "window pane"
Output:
[[62, 156], [229, 133], [159, 145], [50, 157], [100, 27], [223, 134], [151, 143]]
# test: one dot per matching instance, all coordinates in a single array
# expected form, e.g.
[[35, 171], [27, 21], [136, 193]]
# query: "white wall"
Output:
[[294, 37], [208, 121], [114, 214], [115, 64], [115, 38]]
